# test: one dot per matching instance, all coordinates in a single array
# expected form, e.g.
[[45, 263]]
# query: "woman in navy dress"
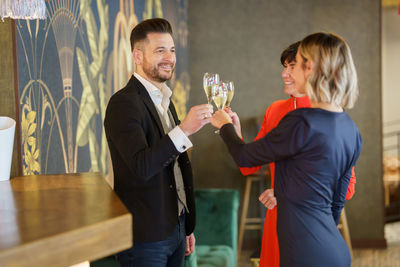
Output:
[[314, 150]]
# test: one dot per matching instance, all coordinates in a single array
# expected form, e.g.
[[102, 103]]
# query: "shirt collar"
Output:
[[159, 97]]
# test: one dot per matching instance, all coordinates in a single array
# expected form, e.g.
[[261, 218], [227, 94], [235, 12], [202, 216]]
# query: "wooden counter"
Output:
[[60, 220]]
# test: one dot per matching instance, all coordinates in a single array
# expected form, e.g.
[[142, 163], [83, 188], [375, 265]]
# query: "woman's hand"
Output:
[[220, 118], [268, 199], [235, 121]]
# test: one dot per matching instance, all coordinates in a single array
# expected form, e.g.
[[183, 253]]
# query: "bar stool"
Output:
[[255, 258], [254, 223], [344, 230]]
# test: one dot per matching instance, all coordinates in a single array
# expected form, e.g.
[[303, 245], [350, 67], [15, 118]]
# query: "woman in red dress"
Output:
[[270, 248]]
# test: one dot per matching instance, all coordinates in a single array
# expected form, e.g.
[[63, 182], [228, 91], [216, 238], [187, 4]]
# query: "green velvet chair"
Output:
[[216, 228], [109, 261]]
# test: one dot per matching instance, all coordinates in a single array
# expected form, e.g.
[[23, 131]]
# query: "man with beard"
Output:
[[152, 172]]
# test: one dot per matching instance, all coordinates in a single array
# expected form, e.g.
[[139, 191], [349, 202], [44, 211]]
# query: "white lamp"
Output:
[[23, 9], [7, 130]]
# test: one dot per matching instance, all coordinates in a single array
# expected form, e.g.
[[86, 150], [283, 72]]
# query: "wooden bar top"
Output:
[[60, 220]]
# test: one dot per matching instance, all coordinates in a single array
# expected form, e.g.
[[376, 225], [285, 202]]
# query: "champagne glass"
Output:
[[231, 90], [210, 79], [220, 95]]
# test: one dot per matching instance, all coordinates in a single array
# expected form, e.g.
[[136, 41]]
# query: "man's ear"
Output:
[[137, 56]]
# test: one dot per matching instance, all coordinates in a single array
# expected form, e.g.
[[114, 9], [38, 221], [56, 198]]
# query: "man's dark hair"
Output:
[[289, 54], [158, 25]]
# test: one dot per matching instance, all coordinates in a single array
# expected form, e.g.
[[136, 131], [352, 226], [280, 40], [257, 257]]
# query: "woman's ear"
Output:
[[137, 56], [309, 67]]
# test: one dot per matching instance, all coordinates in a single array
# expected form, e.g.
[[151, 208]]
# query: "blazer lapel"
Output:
[[173, 112], [149, 103]]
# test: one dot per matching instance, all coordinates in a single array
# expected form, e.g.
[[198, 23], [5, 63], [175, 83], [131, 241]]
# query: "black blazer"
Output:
[[143, 156]]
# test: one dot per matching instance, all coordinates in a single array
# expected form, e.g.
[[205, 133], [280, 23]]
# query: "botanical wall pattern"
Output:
[[69, 66]]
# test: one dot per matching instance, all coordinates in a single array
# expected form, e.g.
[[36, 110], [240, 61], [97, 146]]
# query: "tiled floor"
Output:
[[389, 257]]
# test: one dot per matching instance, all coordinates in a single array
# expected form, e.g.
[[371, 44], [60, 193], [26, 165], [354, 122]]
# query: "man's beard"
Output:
[[153, 72]]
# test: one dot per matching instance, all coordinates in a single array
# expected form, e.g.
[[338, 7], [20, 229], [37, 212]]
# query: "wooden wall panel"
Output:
[[8, 78]]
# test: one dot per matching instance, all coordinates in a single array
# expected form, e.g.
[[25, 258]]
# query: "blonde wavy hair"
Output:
[[334, 77]]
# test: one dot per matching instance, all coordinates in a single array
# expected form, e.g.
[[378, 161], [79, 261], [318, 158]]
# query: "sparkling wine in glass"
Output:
[[231, 91], [210, 79], [220, 95]]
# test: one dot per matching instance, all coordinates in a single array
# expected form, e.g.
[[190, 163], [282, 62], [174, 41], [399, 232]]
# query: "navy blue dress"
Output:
[[314, 151]]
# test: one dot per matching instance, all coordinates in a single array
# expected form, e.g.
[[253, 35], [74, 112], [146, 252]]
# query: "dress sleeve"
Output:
[[263, 131], [339, 197], [284, 141]]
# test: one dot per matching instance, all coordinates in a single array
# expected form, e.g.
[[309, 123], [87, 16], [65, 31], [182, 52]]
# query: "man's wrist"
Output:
[[180, 139], [184, 130]]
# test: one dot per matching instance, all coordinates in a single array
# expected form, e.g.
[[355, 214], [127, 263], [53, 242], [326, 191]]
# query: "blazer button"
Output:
[[171, 186]]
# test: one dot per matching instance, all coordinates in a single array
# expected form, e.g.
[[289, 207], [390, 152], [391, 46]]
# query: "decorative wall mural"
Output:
[[69, 66], [64, 21], [94, 99], [121, 56]]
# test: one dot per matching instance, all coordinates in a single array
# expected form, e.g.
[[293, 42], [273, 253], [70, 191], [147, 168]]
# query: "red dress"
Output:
[[270, 248]]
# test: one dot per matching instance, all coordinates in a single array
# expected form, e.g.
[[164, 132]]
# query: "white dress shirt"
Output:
[[161, 99]]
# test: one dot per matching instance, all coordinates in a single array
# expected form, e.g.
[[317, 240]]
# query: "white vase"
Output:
[[7, 130]]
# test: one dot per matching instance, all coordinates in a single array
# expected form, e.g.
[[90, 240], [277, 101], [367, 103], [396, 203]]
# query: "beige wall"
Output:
[[243, 39], [390, 74]]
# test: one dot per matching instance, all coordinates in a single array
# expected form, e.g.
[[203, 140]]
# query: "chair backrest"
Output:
[[217, 217]]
